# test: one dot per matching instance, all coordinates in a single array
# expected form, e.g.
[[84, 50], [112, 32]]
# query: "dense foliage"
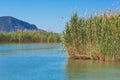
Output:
[[29, 36], [94, 37]]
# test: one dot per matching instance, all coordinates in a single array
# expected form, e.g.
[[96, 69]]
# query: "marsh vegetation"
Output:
[[95, 37], [29, 37]]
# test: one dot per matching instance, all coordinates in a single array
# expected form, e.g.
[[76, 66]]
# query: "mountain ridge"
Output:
[[12, 24]]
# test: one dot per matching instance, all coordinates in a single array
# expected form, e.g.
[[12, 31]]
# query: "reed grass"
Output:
[[29, 37], [95, 37]]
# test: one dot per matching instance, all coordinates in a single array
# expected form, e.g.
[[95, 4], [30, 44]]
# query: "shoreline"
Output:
[[95, 58], [74, 54]]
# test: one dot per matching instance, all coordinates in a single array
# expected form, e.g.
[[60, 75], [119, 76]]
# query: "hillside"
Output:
[[9, 24]]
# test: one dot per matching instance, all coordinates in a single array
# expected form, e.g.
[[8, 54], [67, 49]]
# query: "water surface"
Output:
[[49, 62]]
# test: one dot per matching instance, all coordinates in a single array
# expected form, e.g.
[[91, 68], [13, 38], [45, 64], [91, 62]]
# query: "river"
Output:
[[49, 62]]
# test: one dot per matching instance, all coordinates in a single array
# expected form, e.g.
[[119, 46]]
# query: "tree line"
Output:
[[29, 36]]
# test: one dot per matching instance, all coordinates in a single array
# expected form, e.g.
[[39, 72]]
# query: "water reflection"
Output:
[[48, 62], [92, 70], [20, 48], [32, 62]]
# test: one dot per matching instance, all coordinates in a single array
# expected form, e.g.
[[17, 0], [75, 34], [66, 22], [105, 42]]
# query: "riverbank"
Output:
[[73, 54]]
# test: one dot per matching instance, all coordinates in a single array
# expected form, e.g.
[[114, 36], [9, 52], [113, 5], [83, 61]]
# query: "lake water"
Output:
[[49, 62]]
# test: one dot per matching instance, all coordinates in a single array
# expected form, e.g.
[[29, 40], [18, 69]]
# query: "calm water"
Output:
[[49, 62]]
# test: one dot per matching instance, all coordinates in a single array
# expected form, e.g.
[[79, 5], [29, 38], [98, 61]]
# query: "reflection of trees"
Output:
[[79, 70]]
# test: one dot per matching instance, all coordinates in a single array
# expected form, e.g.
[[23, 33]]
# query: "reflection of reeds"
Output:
[[97, 36], [89, 69]]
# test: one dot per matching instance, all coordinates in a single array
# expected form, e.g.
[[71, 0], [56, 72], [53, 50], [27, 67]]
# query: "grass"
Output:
[[95, 37], [29, 37]]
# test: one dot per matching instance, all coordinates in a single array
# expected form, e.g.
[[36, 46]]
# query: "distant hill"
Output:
[[9, 24]]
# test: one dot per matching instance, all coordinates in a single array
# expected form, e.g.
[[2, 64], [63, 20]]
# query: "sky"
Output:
[[51, 15]]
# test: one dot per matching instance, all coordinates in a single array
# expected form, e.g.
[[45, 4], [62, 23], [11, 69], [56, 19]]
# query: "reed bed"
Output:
[[96, 37], [29, 37]]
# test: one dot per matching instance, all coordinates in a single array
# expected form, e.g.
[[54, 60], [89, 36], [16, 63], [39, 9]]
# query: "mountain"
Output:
[[8, 24]]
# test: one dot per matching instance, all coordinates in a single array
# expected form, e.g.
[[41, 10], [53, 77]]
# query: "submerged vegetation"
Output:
[[29, 36], [96, 37]]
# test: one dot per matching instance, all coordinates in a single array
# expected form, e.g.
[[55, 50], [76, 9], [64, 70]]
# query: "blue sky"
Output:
[[51, 15]]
